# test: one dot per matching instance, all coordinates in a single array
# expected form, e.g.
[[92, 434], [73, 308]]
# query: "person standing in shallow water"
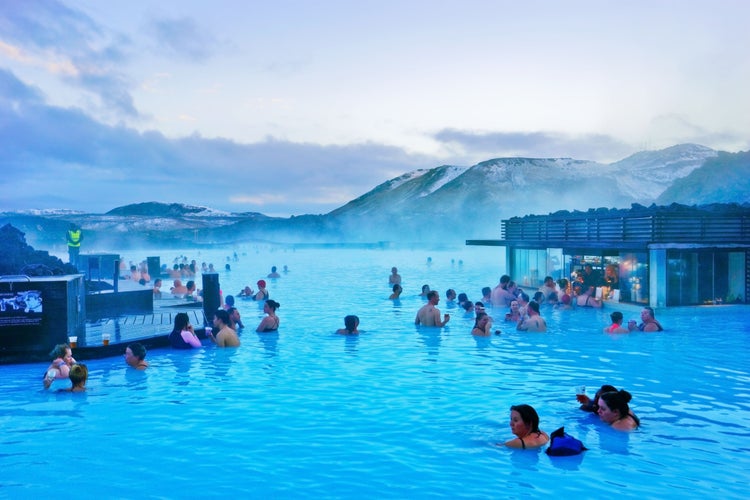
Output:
[[394, 278], [533, 322], [225, 336], [269, 323], [429, 314]]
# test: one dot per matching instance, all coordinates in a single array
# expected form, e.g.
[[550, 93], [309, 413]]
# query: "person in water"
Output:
[[225, 336], [62, 361], [271, 322], [135, 356], [429, 314], [482, 325], [183, 334], [514, 313], [590, 404], [273, 273], [79, 374], [524, 423], [614, 410], [351, 323], [648, 321], [533, 322], [262, 293], [396, 292], [394, 278], [616, 326]]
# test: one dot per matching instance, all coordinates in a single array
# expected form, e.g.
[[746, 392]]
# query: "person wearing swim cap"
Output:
[[262, 293]]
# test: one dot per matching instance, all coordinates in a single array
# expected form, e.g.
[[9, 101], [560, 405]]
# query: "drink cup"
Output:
[[581, 395], [73, 342], [208, 331], [105, 338]]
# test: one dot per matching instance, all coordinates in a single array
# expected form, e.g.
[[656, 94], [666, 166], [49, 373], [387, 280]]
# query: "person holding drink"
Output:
[[588, 404], [429, 315]]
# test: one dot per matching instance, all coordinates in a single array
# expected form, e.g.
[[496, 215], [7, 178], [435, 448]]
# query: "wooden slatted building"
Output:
[[662, 256]]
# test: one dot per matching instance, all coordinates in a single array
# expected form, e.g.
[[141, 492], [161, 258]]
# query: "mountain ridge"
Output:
[[445, 203]]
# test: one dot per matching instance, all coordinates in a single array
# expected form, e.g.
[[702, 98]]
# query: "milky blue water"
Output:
[[396, 412]]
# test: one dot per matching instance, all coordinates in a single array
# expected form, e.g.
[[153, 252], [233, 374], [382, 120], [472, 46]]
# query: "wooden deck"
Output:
[[151, 330]]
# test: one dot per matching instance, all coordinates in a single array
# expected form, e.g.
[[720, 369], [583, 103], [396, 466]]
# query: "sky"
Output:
[[294, 107]]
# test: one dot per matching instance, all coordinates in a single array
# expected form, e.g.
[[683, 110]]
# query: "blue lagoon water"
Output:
[[396, 412]]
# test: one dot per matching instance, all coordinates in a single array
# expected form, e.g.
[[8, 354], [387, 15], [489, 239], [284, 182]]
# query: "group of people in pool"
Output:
[[609, 403], [64, 366], [226, 327], [522, 310]]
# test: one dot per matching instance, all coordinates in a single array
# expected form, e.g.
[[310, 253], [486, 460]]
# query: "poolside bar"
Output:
[[661, 256]]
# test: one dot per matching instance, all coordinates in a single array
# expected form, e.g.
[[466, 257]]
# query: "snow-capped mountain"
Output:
[[649, 173], [446, 203], [473, 200]]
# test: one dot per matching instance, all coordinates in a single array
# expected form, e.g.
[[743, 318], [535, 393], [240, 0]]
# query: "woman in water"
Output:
[[271, 322], [614, 410], [482, 325], [351, 323], [515, 312], [183, 335], [524, 423], [396, 292]]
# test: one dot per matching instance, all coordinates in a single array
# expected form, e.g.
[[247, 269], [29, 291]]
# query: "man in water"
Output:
[[533, 321], [428, 314], [394, 278], [74, 237], [226, 337]]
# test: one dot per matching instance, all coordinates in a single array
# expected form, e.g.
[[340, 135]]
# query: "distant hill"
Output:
[[445, 204], [432, 205], [722, 179]]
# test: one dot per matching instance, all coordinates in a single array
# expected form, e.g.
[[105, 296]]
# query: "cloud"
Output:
[[597, 147], [182, 38], [674, 128], [62, 158], [71, 46]]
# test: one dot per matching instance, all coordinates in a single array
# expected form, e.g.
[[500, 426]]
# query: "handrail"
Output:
[[11, 278]]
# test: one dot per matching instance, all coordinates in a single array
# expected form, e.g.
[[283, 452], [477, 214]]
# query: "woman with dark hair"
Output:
[[614, 410], [396, 292], [514, 314], [590, 404], [351, 323], [183, 335], [482, 325], [524, 423], [271, 322]]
